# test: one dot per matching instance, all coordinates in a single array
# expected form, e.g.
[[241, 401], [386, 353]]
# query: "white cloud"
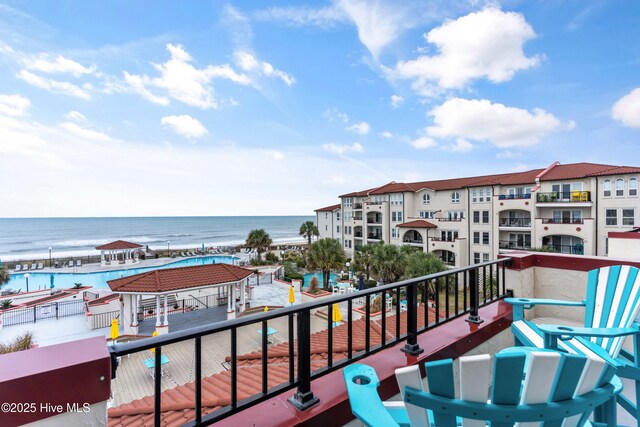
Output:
[[343, 149], [44, 63], [83, 132], [507, 154], [250, 63], [75, 116], [459, 146], [333, 114], [56, 86], [485, 44], [481, 120], [302, 16], [185, 125], [627, 109], [14, 105], [396, 101], [361, 128], [423, 142], [182, 81], [386, 135]]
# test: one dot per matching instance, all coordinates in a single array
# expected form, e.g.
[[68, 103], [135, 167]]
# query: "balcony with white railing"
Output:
[[297, 379]]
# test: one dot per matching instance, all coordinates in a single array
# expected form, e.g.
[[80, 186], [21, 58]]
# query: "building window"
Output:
[[455, 197], [396, 199], [487, 193], [485, 257], [337, 229], [348, 201], [633, 186], [476, 217], [476, 257], [485, 217], [426, 214], [474, 196], [476, 237], [338, 216], [395, 232], [396, 216], [326, 215], [326, 228], [485, 238], [455, 215], [348, 216], [619, 188], [606, 188], [426, 199], [611, 216], [628, 217]]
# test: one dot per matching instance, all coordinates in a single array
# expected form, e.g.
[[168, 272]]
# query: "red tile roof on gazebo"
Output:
[[117, 245], [179, 278], [418, 223]]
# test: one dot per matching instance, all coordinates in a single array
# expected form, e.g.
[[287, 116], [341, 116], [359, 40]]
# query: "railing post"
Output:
[[474, 297], [304, 398], [412, 347]]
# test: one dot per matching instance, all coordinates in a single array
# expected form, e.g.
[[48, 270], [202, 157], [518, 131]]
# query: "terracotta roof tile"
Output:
[[118, 244], [418, 223], [178, 403], [329, 208], [172, 279], [103, 300]]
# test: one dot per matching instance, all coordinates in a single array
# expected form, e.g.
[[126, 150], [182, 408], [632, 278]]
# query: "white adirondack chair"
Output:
[[532, 387]]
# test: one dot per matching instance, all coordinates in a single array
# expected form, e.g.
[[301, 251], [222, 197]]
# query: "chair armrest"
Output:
[[570, 331], [520, 304]]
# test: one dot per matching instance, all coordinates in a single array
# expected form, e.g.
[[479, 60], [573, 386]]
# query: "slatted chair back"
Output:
[[532, 387], [612, 301]]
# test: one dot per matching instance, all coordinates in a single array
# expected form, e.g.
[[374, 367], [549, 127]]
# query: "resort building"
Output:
[[564, 208]]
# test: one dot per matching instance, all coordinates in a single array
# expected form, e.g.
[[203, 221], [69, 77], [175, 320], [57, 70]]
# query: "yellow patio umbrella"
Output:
[[292, 297], [266, 308], [155, 334], [335, 314], [115, 332]]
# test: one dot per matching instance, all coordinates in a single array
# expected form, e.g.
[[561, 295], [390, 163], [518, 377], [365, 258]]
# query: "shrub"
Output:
[[5, 304], [313, 286], [271, 258], [21, 342], [376, 304], [77, 285], [371, 283]]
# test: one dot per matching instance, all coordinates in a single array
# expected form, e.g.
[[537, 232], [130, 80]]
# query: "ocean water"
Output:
[[28, 237]]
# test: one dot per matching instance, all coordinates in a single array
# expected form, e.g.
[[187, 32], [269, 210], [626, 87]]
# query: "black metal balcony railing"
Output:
[[413, 241], [564, 196], [514, 196], [450, 219], [357, 218], [511, 244], [357, 206], [562, 220], [374, 220], [459, 292], [577, 249], [374, 236], [357, 233], [443, 239], [515, 222]]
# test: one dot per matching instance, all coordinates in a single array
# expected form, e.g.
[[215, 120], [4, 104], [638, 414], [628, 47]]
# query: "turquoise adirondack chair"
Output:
[[611, 306], [529, 386]]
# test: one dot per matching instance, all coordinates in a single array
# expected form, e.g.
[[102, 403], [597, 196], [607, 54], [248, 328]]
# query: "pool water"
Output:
[[99, 279], [320, 276]]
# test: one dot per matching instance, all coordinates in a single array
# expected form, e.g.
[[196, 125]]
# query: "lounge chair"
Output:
[[40, 265], [79, 263], [34, 266], [25, 267], [528, 384], [56, 265], [611, 305], [70, 264], [17, 267]]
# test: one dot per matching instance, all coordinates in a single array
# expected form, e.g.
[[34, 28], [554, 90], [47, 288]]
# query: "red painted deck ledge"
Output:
[[448, 340], [77, 373]]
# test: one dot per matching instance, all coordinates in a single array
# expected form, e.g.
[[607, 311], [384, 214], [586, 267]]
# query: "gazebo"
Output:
[[161, 283], [119, 252]]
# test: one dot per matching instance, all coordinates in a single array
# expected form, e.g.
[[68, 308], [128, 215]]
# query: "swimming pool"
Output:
[[99, 279], [320, 276]]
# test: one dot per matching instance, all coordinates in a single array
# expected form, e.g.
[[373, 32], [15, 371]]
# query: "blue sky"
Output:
[[274, 108]]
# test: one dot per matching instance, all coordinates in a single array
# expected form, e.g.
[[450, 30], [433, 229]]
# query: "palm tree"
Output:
[[308, 229], [389, 262], [363, 259], [4, 276], [325, 254], [422, 264], [259, 239]]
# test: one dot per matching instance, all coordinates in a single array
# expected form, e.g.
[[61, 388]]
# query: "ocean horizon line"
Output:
[[157, 216]]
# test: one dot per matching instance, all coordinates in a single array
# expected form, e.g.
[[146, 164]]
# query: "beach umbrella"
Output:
[[155, 334], [203, 248], [115, 332], [335, 314], [361, 283], [51, 281], [266, 308], [292, 296]]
